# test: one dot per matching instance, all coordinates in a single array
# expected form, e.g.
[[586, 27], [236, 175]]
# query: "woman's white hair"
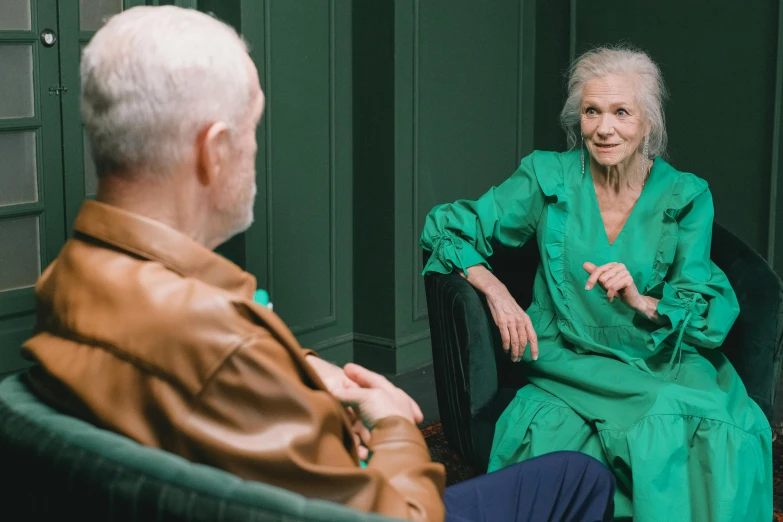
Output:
[[152, 78], [604, 61]]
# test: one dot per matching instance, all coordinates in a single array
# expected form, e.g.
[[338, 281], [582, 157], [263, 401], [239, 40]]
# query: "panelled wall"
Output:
[[379, 109], [449, 95], [441, 110], [307, 168], [372, 109], [300, 246], [464, 115], [376, 111]]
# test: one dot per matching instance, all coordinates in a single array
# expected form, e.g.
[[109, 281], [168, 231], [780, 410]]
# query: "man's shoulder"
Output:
[[144, 314]]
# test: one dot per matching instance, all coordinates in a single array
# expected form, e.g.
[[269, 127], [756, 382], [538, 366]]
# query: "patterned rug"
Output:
[[456, 471]]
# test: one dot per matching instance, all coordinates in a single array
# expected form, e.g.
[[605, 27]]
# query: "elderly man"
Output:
[[145, 331]]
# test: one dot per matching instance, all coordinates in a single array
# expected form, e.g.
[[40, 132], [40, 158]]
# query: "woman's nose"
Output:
[[605, 125]]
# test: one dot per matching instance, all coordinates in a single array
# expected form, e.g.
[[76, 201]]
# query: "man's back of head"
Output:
[[170, 101]]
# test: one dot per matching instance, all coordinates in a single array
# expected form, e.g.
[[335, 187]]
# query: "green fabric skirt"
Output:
[[685, 443]]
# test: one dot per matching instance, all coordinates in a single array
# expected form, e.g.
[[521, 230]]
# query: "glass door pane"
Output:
[[15, 15], [20, 255], [94, 13], [18, 168], [16, 82]]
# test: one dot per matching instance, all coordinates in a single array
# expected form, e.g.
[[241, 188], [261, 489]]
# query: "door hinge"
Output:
[[57, 89]]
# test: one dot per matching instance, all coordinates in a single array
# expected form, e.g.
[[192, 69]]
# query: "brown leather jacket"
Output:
[[145, 332]]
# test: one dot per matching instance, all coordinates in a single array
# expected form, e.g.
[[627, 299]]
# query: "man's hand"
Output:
[[335, 379], [376, 398], [361, 435], [333, 376]]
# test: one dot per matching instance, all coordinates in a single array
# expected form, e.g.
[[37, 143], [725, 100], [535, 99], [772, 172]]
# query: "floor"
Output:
[[420, 385]]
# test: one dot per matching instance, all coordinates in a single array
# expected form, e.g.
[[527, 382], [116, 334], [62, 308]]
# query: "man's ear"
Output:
[[213, 150]]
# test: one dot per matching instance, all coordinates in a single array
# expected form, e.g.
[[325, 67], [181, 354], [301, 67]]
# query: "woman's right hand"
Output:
[[516, 329]]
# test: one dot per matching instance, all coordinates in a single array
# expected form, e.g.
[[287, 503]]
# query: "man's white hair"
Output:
[[152, 78]]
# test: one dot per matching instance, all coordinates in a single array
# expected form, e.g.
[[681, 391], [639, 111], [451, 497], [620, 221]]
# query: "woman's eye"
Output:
[[590, 110], [622, 112]]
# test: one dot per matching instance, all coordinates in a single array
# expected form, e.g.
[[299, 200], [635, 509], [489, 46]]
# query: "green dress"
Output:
[[661, 406]]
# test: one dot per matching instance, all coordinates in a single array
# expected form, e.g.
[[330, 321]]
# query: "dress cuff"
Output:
[[450, 251], [680, 311]]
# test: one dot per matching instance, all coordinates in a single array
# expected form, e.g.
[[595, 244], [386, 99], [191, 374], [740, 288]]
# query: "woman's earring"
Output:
[[582, 154], [645, 156]]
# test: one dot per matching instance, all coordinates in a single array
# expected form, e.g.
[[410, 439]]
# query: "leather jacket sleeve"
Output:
[[261, 418]]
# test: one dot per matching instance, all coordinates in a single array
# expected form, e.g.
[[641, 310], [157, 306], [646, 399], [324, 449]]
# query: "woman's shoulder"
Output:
[[552, 159], [685, 186], [549, 168]]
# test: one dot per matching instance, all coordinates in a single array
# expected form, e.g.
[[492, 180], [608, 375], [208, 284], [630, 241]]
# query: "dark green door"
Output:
[[45, 172], [46, 169], [31, 176]]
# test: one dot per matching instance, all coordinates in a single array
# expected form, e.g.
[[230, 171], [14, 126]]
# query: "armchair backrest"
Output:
[[56, 467], [754, 343]]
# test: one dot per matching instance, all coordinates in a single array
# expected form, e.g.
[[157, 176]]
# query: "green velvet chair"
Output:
[[475, 380], [56, 467]]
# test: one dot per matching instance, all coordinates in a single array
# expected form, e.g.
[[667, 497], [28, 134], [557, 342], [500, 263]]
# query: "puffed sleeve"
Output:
[[695, 296], [460, 234]]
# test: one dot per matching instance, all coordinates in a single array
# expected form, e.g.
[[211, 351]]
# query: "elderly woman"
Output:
[[628, 310]]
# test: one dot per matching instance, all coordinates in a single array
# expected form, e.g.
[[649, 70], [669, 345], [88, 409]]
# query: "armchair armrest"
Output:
[[466, 374], [474, 378], [755, 343]]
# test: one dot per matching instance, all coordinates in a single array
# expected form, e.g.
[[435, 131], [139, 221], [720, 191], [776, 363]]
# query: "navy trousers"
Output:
[[560, 487]]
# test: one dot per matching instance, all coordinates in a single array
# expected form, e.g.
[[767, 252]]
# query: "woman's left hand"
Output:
[[616, 280]]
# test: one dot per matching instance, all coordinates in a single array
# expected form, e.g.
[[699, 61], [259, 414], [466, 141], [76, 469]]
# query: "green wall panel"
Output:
[[552, 56], [467, 124], [775, 240], [300, 247], [230, 11], [300, 174], [373, 183], [464, 80], [443, 109]]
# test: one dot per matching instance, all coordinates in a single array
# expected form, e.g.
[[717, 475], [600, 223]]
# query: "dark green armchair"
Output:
[[475, 380], [56, 467]]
